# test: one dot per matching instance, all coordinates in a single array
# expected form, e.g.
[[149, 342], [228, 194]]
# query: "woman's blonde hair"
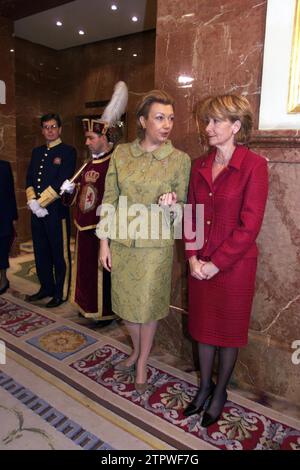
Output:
[[143, 108], [232, 107]]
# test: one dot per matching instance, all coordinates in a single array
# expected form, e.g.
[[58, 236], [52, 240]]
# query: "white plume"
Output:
[[117, 105]]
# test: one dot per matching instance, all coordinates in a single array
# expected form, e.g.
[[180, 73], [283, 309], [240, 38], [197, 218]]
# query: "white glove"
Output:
[[33, 205], [41, 212], [67, 187]]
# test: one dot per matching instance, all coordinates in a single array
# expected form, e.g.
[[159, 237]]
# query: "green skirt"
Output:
[[141, 282]]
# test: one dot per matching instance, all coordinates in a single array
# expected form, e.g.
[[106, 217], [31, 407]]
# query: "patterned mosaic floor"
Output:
[[85, 360], [20, 425]]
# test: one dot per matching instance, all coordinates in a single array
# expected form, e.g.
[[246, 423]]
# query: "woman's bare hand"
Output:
[[105, 255], [167, 199]]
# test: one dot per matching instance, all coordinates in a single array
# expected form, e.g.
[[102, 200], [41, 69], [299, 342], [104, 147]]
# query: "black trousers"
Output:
[[51, 244], [5, 243]]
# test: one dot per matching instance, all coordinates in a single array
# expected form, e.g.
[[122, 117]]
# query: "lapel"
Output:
[[205, 167]]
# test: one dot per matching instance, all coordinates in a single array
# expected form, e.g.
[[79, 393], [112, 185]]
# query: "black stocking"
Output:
[[206, 360], [227, 360]]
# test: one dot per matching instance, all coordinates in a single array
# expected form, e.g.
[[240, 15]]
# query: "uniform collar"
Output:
[[102, 156], [54, 143], [160, 153]]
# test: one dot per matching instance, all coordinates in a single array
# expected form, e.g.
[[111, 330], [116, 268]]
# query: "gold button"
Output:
[[208, 222]]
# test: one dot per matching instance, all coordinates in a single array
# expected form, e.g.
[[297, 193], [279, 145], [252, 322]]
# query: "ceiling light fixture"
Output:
[[119, 48], [81, 32], [134, 19], [11, 50], [113, 7], [59, 23], [134, 55]]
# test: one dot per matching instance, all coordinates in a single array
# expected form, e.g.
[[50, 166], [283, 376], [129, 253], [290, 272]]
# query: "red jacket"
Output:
[[234, 206]]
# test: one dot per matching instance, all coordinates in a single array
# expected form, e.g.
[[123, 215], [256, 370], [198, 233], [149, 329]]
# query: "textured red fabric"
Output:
[[86, 288], [234, 204]]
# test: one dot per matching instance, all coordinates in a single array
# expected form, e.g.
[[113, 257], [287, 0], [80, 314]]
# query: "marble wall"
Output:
[[220, 46], [64, 81], [37, 78], [88, 74]]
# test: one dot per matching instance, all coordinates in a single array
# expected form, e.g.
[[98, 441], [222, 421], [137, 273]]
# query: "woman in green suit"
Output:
[[147, 178]]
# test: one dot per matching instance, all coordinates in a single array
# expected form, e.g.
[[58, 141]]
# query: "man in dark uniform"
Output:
[[8, 213], [50, 165]]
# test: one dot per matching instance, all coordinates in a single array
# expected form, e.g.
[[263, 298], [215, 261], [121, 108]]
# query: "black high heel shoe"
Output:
[[208, 419], [193, 408]]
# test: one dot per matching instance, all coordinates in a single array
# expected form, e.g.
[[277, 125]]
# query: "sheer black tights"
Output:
[[227, 360]]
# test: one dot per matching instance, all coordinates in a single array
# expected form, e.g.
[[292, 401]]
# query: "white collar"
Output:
[[97, 155]]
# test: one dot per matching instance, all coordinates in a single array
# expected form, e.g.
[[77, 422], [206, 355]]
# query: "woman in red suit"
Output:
[[231, 182]]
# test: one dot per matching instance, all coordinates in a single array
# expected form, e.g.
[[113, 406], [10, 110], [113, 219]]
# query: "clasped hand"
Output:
[[167, 199], [202, 269]]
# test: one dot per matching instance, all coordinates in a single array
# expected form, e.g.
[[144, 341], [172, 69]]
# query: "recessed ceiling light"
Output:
[[134, 55], [81, 32], [113, 7], [59, 23], [134, 18], [11, 50], [119, 48]]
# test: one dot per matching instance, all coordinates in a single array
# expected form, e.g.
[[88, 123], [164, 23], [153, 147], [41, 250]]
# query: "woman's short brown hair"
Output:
[[153, 96], [232, 107]]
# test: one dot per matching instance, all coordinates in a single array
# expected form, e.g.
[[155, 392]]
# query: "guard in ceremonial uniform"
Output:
[[91, 289], [50, 165]]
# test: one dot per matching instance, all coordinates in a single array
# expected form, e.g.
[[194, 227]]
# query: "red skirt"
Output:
[[220, 308]]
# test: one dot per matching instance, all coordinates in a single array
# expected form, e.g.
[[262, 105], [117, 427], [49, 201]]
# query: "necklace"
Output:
[[221, 160]]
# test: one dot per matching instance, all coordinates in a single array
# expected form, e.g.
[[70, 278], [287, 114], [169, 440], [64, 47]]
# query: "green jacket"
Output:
[[143, 177]]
